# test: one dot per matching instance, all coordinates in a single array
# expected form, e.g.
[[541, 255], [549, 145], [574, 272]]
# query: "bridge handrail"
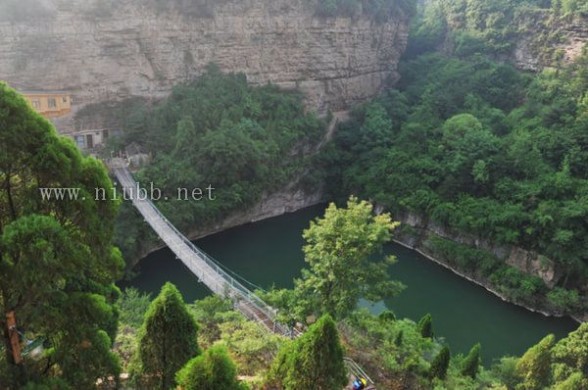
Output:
[[356, 369], [123, 174]]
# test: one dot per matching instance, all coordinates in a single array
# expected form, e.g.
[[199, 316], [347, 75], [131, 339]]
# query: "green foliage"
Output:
[[570, 355], [440, 364], [132, 306], [471, 364], [242, 141], [426, 326], [534, 367], [506, 371], [339, 249], [312, 361], [60, 251], [167, 339], [565, 300], [211, 371], [481, 150], [567, 7]]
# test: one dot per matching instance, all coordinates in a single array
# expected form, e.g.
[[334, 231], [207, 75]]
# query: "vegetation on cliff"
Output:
[[217, 131], [485, 150]]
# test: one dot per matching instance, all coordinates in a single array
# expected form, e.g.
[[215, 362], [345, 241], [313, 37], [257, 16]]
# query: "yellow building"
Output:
[[50, 104]]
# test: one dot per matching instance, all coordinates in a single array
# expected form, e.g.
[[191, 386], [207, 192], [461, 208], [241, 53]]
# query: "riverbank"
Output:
[[486, 284], [288, 200]]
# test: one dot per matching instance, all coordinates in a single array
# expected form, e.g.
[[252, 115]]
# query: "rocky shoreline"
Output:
[[485, 285]]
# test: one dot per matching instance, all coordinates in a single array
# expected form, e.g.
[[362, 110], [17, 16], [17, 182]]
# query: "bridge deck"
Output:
[[200, 264]]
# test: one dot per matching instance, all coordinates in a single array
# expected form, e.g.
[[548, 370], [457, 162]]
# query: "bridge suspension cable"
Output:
[[208, 270]]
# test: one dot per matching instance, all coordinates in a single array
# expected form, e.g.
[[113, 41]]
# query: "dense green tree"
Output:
[[425, 326], [217, 130], [167, 339], [440, 364], [339, 250], [472, 362], [312, 361], [133, 305], [57, 263], [534, 367], [481, 149], [570, 354], [210, 371]]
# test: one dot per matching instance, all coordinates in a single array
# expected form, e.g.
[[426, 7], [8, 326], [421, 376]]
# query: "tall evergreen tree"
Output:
[[57, 262], [425, 326], [440, 364], [211, 371], [313, 361], [534, 367], [167, 339], [471, 363]]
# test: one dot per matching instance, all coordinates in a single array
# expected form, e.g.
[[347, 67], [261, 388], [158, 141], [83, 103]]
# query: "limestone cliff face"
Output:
[[546, 40], [103, 50], [526, 261]]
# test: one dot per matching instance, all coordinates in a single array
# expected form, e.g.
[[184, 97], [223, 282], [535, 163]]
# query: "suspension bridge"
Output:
[[207, 269]]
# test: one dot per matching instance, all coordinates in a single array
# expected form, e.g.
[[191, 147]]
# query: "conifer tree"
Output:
[[167, 339], [425, 326], [440, 364], [534, 367], [211, 371], [57, 262], [313, 361], [471, 363]]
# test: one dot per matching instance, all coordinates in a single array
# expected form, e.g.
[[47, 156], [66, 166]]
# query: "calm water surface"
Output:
[[269, 252]]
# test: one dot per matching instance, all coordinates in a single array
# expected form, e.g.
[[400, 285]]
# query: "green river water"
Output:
[[269, 252]]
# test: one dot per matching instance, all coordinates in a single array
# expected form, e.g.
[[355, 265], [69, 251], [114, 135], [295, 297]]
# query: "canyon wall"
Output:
[[546, 40], [106, 50]]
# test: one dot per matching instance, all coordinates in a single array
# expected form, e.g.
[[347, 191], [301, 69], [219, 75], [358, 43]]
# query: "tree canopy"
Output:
[[312, 361], [167, 339], [57, 262]]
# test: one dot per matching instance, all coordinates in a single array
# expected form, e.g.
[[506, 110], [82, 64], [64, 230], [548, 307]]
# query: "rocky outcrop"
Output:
[[420, 233], [526, 261], [272, 205], [548, 40], [103, 50]]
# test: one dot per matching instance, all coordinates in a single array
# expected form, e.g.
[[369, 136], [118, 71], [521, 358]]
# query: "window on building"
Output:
[[105, 134], [89, 141], [80, 141], [36, 104], [51, 103], [65, 99]]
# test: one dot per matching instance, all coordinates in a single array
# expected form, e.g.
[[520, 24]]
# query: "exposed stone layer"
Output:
[[526, 261], [135, 49], [548, 41]]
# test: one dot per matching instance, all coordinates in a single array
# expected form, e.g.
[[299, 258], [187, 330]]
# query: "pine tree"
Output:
[[313, 361], [471, 363], [167, 339], [57, 262], [440, 364], [425, 326], [534, 367], [211, 371]]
